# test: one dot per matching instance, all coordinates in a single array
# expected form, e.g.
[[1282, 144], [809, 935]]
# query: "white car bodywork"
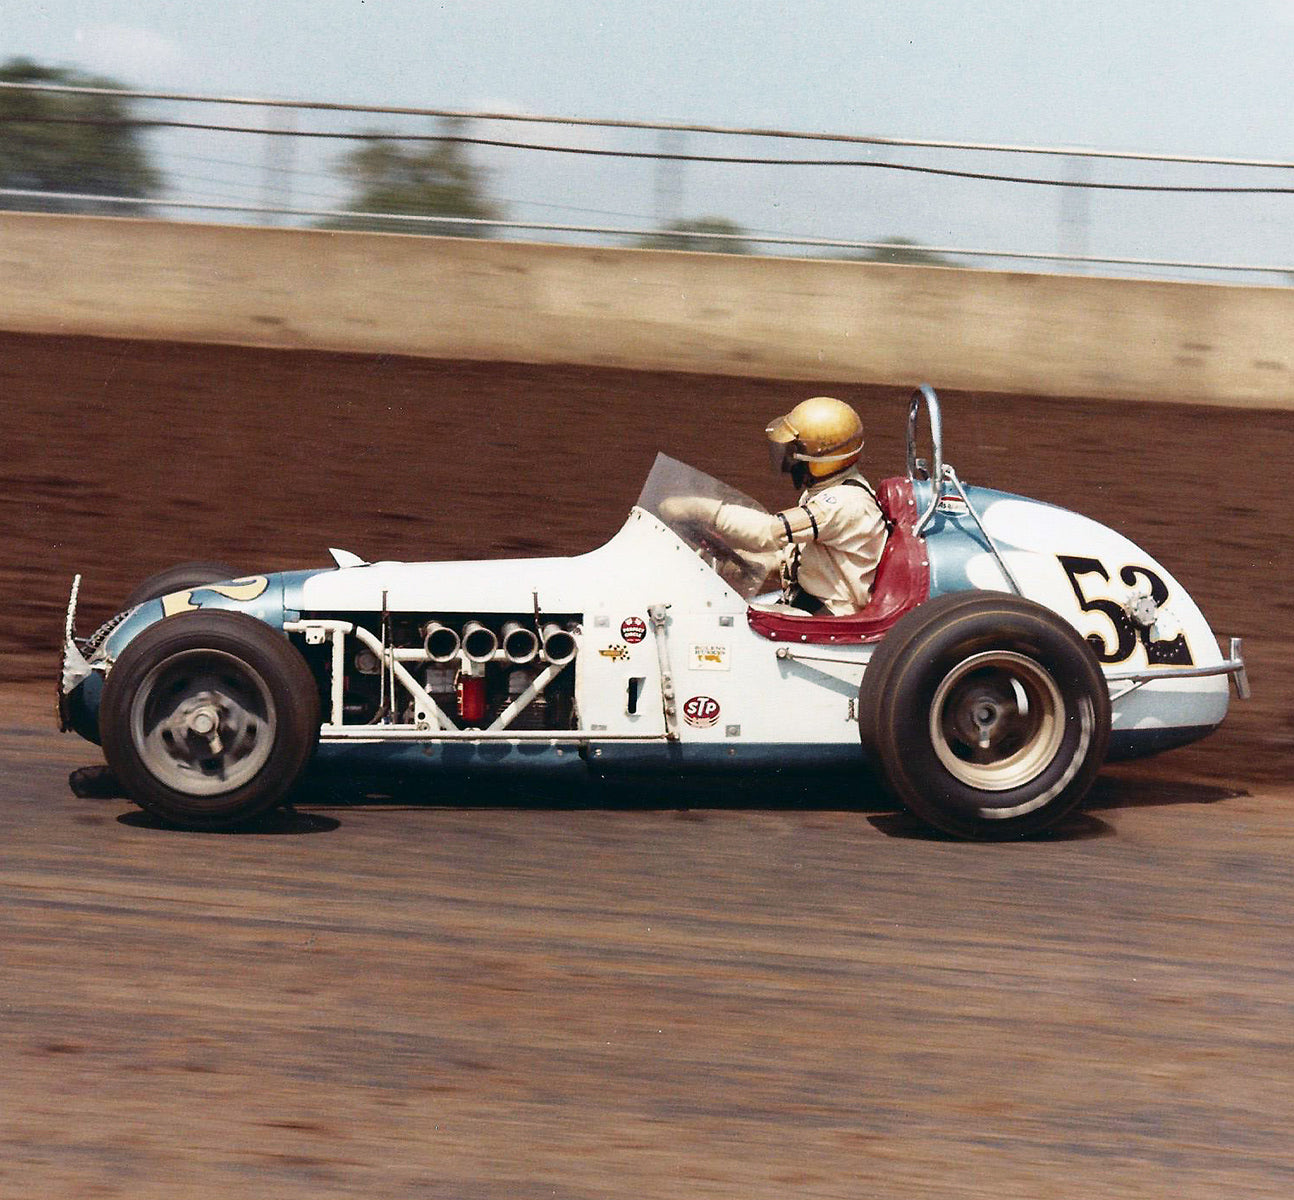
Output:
[[734, 690], [1009, 646]]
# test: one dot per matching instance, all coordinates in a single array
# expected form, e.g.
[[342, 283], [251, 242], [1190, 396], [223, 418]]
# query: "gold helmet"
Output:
[[818, 437]]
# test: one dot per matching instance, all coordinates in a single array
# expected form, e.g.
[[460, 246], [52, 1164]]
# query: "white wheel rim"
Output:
[[997, 721], [203, 722]]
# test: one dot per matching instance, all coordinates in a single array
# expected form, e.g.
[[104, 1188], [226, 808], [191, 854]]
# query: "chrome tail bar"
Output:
[[1233, 665]]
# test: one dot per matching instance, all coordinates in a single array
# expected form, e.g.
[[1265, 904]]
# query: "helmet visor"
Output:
[[782, 456], [783, 445], [781, 430]]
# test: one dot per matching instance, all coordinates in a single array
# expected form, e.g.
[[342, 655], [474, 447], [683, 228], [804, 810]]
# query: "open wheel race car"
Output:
[[1009, 647]]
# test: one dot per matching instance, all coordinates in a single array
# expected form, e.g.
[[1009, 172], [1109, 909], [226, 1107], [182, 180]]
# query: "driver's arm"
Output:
[[747, 528], [750, 529]]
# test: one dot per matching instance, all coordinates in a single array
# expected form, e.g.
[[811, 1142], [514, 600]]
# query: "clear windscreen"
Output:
[[743, 570]]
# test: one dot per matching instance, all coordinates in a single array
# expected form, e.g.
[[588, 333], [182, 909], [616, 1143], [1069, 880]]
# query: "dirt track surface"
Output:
[[764, 993], [589, 996]]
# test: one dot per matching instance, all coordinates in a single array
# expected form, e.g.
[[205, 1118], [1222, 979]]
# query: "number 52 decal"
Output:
[[1127, 633]]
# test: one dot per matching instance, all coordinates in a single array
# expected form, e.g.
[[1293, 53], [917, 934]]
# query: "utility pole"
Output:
[[276, 165], [1076, 211], [668, 183]]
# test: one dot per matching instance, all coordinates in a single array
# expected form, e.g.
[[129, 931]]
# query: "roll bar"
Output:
[[935, 469]]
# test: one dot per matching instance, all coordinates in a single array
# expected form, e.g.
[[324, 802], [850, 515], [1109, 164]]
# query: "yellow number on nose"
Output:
[[238, 589]]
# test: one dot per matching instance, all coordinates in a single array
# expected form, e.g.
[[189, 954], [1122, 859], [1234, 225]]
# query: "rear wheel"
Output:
[[177, 578], [986, 714], [209, 718]]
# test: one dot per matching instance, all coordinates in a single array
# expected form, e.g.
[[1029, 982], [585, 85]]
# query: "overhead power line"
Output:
[[656, 155], [681, 127]]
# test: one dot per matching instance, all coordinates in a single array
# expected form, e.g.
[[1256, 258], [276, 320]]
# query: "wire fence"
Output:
[[652, 183]]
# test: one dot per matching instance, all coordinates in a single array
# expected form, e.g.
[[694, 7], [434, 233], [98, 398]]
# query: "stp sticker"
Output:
[[701, 711], [633, 630], [712, 656]]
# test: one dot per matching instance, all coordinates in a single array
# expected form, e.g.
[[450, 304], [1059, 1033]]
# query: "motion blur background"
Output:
[[1203, 90], [444, 296]]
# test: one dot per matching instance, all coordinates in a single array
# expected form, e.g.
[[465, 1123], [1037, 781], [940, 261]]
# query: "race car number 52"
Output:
[[1159, 651]]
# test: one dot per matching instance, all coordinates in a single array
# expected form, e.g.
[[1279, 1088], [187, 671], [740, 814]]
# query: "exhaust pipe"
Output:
[[520, 645], [559, 644], [479, 643], [440, 642]]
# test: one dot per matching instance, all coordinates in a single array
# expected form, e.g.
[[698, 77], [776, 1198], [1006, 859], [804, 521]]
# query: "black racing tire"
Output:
[[177, 578], [986, 714], [209, 718]]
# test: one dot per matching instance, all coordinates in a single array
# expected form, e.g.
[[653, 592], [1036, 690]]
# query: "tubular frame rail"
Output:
[[431, 723]]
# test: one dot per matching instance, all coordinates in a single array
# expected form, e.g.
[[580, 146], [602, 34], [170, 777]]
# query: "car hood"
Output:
[[645, 563]]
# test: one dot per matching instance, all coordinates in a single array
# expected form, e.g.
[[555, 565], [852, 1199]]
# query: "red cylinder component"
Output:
[[471, 698]]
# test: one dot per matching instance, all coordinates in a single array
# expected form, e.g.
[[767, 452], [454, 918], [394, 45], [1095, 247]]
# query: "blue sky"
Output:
[[1186, 77]]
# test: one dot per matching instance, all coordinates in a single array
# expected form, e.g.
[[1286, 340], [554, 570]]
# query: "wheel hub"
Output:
[[979, 719], [204, 722], [997, 720]]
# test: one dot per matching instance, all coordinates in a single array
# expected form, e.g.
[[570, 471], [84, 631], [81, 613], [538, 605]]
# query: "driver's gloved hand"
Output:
[[677, 510]]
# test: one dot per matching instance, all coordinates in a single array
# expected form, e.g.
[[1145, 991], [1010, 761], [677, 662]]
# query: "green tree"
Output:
[[903, 250], [428, 179], [696, 229], [65, 142]]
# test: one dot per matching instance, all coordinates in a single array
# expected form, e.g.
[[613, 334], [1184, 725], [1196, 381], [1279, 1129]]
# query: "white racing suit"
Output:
[[828, 545]]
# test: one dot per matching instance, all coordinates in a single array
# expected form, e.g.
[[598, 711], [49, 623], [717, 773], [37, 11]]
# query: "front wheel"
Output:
[[209, 718], [986, 714]]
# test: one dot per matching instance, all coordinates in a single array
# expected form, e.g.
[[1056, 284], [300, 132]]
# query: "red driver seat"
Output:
[[902, 582]]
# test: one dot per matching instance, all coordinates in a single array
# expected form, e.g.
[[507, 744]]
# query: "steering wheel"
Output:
[[702, 538], [918, 470]]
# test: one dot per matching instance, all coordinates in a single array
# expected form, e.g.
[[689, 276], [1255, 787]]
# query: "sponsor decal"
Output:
[[954, 506], [701, 711], [615, 653], [633, 630], [711, 656]]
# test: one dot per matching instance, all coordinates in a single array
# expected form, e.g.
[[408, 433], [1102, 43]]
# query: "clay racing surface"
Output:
[[768, 989]]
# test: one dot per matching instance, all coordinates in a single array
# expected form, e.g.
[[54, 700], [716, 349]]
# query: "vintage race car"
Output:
[[1009, 647]]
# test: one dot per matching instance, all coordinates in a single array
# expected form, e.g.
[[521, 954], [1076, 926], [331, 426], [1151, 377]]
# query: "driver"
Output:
[[827, 546]]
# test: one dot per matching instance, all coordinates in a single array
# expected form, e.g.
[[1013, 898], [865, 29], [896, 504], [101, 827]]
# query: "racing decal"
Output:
[[711, 656], [701, 711], [953, 506], [241, 590], [633, 630], [615, 653], [1160, 650]]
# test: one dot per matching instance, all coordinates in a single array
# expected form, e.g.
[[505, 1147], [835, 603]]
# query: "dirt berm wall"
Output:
[[639, 309]]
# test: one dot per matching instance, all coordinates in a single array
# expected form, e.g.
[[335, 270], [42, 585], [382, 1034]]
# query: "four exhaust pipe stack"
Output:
[[517, 643]]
